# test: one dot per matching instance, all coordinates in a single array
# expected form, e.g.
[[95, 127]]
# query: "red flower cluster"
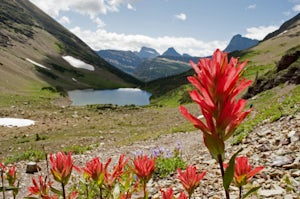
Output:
[[190, 179], [168, 194], [96, 170], [40, 188], [61, 167], [218, 83], [243, 171], [144, 167]]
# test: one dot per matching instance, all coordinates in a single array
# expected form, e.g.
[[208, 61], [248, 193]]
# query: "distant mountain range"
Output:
[[147, 64]]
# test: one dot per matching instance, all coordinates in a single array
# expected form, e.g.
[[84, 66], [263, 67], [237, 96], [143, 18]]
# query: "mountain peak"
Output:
[[147, 53], [171, 52], [238, 42]]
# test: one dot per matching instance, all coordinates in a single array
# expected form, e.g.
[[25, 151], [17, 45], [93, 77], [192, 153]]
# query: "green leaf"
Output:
[[229, 173], [251, 191], [9, 188], [215, 145], [54, 190]]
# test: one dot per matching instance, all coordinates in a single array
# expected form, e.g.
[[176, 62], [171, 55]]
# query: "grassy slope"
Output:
[[29, 33]]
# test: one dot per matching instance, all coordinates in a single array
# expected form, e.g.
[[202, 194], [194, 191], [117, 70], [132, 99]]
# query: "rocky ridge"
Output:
[[276, 146]]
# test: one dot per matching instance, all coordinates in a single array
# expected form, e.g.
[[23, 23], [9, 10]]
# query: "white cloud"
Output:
[[64, 20], [99, 22], [101, 40], [296, 8], [260, 32], [130, 7], [252, 6], [181, 16], [87, 7]]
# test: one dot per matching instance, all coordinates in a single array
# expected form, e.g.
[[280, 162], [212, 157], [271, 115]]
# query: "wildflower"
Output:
[[182, 196], [243, 171], [11, 175], [40, 188], [73, 195], [168, 194], [2, 166], [96, 170], [61, 167], [144, 167], [218, 83], [118, 170], [190, 179]]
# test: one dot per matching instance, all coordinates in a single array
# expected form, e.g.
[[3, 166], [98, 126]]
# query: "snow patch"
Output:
[[37, 64], [15, 122], [78, 63], [149, 51], [129, 89]]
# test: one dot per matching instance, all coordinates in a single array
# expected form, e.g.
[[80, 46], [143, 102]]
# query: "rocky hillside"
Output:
[[126, 61], [286, 26], [37, 52], [160, 67]]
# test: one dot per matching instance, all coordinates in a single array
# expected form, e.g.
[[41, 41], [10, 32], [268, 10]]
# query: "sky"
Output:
[[196, 27]]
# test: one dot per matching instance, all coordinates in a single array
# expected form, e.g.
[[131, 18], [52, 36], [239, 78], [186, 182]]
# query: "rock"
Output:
[[296, 173], [282, 160], [31, 167], [289, 196], [270, 192]]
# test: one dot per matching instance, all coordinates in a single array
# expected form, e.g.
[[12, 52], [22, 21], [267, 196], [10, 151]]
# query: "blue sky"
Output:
[[196, 27]]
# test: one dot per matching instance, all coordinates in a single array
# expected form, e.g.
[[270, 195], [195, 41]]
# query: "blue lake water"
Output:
[[121, 96]]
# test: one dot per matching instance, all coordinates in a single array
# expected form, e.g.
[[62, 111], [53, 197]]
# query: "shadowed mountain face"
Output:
[[147, 64], [32, 48], [240, 43]]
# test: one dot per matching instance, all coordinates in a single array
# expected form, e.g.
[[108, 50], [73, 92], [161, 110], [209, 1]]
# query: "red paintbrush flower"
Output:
[[182, 196], [11, 175], [243, 171], [96, 170], [118, 170], [144, 167], [2, 167], [61, 167], [218, 83], [40, 188], [168, 194], [190, 179]]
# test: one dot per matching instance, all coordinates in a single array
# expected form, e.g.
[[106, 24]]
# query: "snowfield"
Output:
[[37, 64], [78, 63], [15, 122]]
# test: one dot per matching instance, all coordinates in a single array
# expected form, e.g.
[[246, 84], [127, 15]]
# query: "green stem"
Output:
[[145, 191], [63, 190], [222, 172], [86, 189], [100, 190], [240, 192], [2, 180]]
